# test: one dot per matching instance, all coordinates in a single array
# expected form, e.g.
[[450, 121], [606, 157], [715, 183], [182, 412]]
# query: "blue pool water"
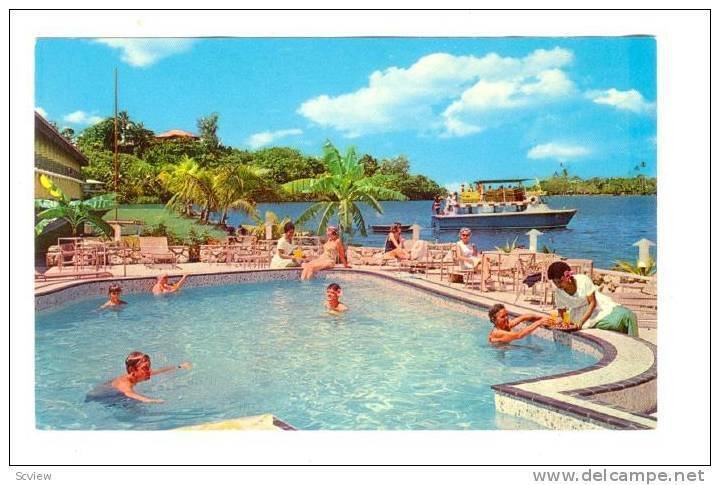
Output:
[[398, 360]]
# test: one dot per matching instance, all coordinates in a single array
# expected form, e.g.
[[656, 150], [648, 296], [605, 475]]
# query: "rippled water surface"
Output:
[[397, 360]]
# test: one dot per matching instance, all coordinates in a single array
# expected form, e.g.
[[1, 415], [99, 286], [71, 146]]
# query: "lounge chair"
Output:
[[155, 250]]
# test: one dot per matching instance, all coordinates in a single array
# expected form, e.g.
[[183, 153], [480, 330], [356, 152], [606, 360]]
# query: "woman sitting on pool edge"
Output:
[[502, 325], [588, 308], [332, 250], [393, 244], [114, 297], [333, 303]]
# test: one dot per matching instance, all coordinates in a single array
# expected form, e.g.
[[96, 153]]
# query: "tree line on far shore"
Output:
[[144, 158]]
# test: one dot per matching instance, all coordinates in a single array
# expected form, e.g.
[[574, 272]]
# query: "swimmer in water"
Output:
[[114, 297], [502, 325], [162, 286], [138, 370], [333, 303]]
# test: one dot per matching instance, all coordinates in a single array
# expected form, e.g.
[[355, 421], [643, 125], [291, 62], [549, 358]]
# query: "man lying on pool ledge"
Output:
[[138, 369], [502, 325]]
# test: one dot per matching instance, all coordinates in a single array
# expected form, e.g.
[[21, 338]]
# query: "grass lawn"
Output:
[[152, 215]]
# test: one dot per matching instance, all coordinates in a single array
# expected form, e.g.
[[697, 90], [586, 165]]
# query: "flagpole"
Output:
[[115, 159]]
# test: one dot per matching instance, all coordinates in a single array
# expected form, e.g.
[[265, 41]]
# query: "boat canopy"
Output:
[[500, 181]]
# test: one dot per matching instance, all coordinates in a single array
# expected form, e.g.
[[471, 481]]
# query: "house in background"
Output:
[[177, 135], [58, 159]]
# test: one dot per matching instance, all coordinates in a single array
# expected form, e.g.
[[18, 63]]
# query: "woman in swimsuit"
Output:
[[393, 244], [332, 250]]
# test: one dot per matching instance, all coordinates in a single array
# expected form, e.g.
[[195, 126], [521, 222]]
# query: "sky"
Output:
[[460, 109]]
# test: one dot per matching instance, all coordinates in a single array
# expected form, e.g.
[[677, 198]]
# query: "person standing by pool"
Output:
[[162, 286], [393, 244], [436, 205], [333, 294], [284, 257], [502, 325], [138, 368], [114, 297], [332, 250], [588, 308]]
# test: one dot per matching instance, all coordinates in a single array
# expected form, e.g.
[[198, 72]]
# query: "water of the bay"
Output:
[[604, 228]]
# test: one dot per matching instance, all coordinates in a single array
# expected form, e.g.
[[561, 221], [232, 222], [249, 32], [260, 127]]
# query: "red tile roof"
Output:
[[177, 134]]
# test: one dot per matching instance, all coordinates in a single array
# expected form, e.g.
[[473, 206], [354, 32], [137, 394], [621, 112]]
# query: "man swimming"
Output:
[[333, 302], [162, 286], [502, 325], [138, 370]]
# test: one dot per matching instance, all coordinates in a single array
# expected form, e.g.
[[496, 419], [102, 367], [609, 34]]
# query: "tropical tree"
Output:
[[233, 186], [271, 219], [190, 184], [75, 212], [208, 126], [340, 189]]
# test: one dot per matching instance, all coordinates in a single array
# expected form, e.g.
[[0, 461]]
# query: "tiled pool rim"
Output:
[[577, 408]]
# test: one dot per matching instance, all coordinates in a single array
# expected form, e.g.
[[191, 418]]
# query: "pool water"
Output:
[[399, 359]]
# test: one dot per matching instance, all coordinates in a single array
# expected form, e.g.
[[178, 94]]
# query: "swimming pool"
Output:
[[400, 359]]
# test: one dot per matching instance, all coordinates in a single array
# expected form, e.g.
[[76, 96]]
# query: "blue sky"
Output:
[[458, 108]]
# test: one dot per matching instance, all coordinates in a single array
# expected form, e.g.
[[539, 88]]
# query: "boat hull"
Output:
[[506, 220]]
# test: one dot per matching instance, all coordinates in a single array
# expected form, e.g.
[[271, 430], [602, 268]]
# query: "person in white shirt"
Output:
[[588, 308]]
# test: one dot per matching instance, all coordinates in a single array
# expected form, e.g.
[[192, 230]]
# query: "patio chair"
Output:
[[502, 268], [154, 250]]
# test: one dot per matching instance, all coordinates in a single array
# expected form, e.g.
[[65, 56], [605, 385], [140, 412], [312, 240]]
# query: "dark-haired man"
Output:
[[502, 325]]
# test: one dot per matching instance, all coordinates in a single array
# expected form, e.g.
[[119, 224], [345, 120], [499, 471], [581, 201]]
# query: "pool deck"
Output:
[[618, 392]]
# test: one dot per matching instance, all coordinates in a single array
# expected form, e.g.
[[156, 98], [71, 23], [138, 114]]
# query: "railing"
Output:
[[52, 166]]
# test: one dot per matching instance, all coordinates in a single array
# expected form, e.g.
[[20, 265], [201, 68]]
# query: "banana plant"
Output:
[[340, 190], [75, 212], [636, 268]]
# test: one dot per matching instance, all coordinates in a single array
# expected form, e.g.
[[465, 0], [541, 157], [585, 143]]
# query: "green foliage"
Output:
[[370, 163], [636, 268], [75, 212], [638, 185], [133, 137], [508, 247], [340, 189], [284, 164], [208, 126], [161, 230]]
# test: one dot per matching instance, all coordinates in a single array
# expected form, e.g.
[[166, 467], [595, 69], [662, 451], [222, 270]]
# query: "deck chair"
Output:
[[154, 250]]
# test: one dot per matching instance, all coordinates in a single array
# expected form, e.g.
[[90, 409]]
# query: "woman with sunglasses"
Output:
[[332, 251], [467, 255]]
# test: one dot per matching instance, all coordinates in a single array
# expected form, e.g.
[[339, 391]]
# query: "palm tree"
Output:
[[233, 185], [75, 212], [341, 188], [189, 185]]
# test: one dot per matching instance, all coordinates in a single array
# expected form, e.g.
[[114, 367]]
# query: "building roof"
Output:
[[43, 126], [177, 134]]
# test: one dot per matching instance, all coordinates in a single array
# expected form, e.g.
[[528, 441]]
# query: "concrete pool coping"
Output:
[[618, 392]]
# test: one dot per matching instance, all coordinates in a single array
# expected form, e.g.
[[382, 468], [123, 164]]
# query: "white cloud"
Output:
[[630, 100], [442, 92], [557, 151], [82, 118], [41, 112], [266, 137], [145, 52]]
